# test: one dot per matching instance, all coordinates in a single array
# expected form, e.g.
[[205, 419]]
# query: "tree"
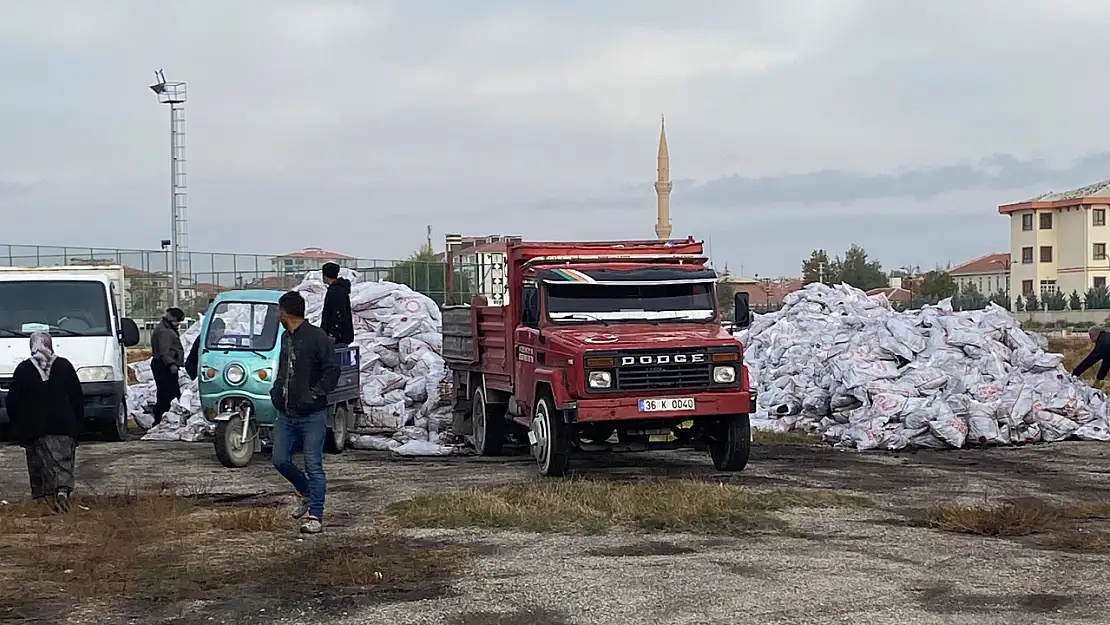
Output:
[[146, 299], [726, 299], [855, 269], [969, 298], [817, 268], [1074, 302], [937, 285], [426, 273], [1031, 303], [1055, 301], [1002, 298], [1098, 298]]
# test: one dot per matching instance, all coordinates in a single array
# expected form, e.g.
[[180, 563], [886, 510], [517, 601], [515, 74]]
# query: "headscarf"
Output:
[[42, 353]]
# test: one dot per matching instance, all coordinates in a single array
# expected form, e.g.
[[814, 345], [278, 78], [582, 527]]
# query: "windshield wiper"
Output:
[[66, 332], [15, 332], [584, 317]]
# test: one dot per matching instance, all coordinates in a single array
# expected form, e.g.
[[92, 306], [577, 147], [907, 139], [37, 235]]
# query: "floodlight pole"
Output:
[[174, 94]]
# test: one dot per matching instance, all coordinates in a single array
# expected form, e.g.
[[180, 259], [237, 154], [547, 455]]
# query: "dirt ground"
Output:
[[874, 564]]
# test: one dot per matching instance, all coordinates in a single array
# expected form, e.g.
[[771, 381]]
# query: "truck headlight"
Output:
[[724, 375], [600, 379], [94, 374], [235, 374]]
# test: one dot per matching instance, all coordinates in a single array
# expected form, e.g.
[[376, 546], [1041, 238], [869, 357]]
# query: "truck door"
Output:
[[526, 344]]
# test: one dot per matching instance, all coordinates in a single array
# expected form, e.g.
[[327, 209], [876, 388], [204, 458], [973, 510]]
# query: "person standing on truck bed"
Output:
[[47, 407], [1100, 352], [167, 356], [307, 372], [336, 318]]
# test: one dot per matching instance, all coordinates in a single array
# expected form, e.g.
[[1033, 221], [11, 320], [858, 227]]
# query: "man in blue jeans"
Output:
[[307, 372]]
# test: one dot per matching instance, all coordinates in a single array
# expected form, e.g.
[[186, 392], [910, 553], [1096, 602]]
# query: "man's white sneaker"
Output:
[[312, 526]]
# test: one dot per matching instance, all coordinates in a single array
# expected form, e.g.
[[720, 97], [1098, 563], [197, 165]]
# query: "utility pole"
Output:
[[174, 94]]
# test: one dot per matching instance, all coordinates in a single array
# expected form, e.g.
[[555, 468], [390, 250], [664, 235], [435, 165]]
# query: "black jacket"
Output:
[[336, 319], [165, 345], [38, 407], [307, 371], [1101, 351], [193, 360]]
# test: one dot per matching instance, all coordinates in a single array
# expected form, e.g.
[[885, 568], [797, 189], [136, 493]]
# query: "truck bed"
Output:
[[489, 352], [349, 386]]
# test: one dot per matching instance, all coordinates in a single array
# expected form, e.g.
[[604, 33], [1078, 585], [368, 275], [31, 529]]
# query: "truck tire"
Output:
[[228, 450], [732, 443], [488, 424], [553, 443], [336, 440], [117, 431]]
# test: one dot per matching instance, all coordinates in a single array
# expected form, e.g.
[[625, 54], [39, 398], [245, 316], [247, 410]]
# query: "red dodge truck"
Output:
[[601, 346]]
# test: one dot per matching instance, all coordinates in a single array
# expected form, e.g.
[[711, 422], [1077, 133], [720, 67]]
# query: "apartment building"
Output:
[[308, 259], [1058, 241]]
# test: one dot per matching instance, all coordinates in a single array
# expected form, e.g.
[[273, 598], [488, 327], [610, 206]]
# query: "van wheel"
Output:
[[553, 441], [118, 432], [731, 444], [336, 440], [488, 423]]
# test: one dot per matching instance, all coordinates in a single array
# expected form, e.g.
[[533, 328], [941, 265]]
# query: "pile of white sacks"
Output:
[[399, 335], [862, 375]]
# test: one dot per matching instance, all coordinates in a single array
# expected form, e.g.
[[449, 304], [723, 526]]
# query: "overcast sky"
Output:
[[792, 124]]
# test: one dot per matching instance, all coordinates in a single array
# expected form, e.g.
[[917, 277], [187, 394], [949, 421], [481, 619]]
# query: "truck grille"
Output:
[[668, 376]]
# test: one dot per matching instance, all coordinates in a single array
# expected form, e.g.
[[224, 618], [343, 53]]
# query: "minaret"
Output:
[[663, 187]]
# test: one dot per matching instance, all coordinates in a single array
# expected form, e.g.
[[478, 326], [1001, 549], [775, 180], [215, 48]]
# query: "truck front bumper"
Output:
[[102, 401], [628, 408]]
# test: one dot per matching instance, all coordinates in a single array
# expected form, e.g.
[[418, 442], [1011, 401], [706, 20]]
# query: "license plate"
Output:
[[666, 404]]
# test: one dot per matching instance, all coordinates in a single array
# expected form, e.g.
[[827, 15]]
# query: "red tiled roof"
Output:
[[491, 248], [892, 293], [315, 253], [990, 263], [768, 292]]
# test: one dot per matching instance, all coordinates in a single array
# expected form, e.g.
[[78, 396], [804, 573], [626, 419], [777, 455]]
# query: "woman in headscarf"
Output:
[[46, 408]]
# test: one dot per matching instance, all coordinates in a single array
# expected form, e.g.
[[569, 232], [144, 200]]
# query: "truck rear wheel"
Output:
[[731, 444], [552, 439], [488, 423]]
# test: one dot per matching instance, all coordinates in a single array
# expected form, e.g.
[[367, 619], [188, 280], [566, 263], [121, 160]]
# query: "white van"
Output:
[[82, 308]]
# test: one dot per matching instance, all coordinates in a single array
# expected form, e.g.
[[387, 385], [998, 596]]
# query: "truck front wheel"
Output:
[[488, 424], [731, 443], [551, 441]]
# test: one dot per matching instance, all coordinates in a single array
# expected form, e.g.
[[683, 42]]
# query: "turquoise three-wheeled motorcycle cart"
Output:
[[237, 364]]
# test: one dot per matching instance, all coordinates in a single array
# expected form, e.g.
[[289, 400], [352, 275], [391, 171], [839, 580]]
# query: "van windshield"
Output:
[[60, 307], [242, 326], [663, 301]]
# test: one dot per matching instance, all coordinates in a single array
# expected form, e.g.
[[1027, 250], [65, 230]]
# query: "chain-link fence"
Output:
[[148, 281]]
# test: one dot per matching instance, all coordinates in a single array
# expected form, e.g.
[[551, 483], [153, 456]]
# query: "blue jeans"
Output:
[[309, 433]]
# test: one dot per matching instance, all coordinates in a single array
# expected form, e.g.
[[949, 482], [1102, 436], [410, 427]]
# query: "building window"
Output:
[[1046, 253], [980, 284], [1026, 287], [1100, 251], [1100, 283], [1027, 255], [1098, 217], [1046, 221], [1048, 288], [1027, 221]]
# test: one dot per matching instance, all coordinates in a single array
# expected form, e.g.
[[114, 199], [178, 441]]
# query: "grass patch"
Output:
[[1078, 526], [161, 546], [1008, 518], [582, 506], [766, 437]]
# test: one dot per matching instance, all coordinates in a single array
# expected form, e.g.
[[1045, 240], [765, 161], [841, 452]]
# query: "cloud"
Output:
[[354, 124]]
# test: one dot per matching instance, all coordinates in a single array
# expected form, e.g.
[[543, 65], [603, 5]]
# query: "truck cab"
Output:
[[81, 307], [606, 346]]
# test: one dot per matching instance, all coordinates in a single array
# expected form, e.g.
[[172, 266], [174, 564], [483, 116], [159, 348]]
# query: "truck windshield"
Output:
[[242, 326], [60, 307], [664, 301]]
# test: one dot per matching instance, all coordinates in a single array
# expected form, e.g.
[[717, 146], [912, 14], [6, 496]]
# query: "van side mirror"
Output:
[[742, 312], [129, 332]]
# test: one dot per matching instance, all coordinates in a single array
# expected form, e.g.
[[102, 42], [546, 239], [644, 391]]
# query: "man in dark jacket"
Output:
[[193, 360], [336, 319], [1100, 352], [307, 372], [167, 356]]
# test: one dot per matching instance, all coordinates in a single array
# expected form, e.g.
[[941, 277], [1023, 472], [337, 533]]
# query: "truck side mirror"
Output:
[[129, 332], [742, 313]]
